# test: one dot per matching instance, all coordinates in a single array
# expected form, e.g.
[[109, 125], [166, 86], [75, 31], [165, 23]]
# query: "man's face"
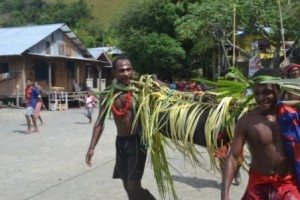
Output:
[[36, 85], [265, 96], [123, 72], [294, 72], [28, 82]]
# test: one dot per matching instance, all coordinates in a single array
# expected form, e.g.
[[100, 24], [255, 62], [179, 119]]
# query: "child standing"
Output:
[[90, 101], [39, 105]]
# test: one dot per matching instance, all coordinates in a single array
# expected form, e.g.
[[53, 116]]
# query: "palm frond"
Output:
[[163, 112]]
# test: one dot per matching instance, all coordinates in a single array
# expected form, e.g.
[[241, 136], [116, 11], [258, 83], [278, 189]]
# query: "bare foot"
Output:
[[36, 130], [28, 132]]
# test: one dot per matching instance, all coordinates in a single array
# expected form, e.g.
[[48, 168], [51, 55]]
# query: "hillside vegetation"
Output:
[[105, 10]]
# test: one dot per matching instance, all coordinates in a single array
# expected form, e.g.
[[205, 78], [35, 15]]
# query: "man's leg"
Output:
[[28, 113], [28, 124], [136, 192], [34, 124], [90, 114], [41, 120]]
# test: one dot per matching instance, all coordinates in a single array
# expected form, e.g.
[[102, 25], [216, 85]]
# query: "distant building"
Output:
[[50, 54], [111, 51], [102, 53]]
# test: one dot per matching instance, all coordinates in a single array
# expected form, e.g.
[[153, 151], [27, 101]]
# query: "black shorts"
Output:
[[130, 158]]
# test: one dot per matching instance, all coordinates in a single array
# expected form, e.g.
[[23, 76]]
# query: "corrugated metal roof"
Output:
[[67, 57], [97, 51], [16, 40]]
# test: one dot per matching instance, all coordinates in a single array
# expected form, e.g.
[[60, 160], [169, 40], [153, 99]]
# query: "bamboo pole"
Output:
[[282, 29], [234, 24]]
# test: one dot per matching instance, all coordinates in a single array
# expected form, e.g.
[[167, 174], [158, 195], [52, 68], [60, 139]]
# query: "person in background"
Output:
[[272, 173], [173, 86], [32, 96], [90, 102], [130, 151], [181, 85], [291, 71], [39, 105]]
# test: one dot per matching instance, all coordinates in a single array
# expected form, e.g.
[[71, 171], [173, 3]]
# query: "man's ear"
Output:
[[277, 89]]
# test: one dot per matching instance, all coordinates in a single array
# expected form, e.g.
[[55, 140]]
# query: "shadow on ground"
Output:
[[197, 182], [19, 131], [82, 123]]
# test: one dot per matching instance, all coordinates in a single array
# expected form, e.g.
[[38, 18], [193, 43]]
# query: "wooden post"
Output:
[[77, 73], [282, 30], [24, 77], [234, 24], [18, 95], [100, 77], [50, 75]]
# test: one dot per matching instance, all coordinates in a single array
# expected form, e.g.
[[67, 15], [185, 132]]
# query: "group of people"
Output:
[[272, 173], [34, 104], [187, 86]]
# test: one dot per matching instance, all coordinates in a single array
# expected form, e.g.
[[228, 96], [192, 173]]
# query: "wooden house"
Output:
[[50, 54], [102, 54]]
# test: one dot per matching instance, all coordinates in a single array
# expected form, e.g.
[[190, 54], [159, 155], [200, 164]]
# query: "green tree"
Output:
[[77, 15], [208, 23], [146, 32], [197, 28], [17, 12]]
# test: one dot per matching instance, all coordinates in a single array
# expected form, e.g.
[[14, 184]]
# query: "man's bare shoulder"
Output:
[[248, 117]]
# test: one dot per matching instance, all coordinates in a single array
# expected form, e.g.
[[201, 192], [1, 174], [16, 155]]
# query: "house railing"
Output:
[[60, 100]]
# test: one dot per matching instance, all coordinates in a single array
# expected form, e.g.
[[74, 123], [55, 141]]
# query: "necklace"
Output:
[[122, 111]]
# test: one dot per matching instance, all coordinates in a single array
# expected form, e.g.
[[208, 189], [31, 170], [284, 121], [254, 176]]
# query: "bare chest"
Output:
[[264, 130]]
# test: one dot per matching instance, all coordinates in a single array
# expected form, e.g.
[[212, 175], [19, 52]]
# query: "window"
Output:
[[48, 47], [262, 45], [71, 70], [61, 49], [41, 70], [3, 67]]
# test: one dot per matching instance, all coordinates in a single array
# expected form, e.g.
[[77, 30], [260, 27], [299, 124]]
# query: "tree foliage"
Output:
[[212, 22], [76, 15], [146, 32], [167, 37], [198, 27]]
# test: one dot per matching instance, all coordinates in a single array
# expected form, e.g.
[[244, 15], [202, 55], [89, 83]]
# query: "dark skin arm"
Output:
[[97, 132], [232, 159]]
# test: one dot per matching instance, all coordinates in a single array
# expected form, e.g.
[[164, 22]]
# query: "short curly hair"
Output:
[[268, 72], [116, 59]]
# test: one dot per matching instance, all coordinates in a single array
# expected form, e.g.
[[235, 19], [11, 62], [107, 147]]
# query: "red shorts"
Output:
[[274, 187]]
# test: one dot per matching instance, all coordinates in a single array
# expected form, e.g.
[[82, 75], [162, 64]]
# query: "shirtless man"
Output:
[[271, 174], [131, 157]]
